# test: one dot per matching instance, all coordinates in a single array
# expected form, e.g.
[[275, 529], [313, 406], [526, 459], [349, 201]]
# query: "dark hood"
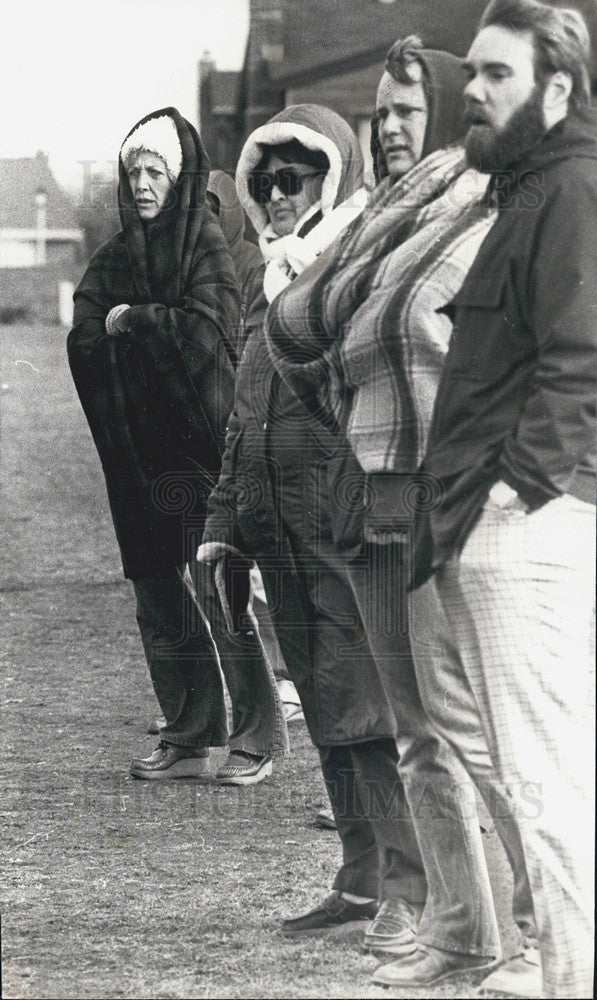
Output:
[[160, 251], [444, 85]]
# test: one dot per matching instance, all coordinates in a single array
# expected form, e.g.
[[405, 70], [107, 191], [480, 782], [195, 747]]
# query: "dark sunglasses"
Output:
[[261, 183]]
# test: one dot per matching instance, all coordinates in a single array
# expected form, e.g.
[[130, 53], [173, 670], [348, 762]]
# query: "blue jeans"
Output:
[[459, 915]]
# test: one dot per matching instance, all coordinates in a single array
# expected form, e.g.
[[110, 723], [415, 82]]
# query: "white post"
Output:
[[65, 302], [41, 200]]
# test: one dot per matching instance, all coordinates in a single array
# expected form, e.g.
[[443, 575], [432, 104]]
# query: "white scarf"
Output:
[[288, 256]]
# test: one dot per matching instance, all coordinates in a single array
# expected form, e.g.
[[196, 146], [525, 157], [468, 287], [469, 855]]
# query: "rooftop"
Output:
[[20, 181]]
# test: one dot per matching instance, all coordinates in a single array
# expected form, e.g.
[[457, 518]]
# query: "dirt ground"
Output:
[[113, 887]]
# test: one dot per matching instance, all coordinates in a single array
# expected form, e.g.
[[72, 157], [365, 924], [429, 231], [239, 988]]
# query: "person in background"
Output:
[[152, 355], [511, 539], [222, 196]]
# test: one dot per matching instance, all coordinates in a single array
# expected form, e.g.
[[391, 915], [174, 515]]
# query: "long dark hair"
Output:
[[560, 40]]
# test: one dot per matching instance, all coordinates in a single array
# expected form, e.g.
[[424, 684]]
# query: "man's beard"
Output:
[[490, 151]]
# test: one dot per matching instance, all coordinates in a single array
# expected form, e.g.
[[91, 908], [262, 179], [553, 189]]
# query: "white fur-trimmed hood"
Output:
[[317, 128], [156, 135]]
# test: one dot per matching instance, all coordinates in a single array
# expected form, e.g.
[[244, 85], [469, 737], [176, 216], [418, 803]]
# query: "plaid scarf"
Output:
[[359, 335]]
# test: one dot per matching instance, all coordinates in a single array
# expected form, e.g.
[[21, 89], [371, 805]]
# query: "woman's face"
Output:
[[150, 184], [285, 210]]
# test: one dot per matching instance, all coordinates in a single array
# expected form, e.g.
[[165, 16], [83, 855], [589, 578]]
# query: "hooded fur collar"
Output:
[[160, 252], [317, 128]]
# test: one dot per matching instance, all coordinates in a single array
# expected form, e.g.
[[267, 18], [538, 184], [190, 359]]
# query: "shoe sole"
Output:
[[406, 948], [155, 728], [247, 779], [351, 928], [419, 985], [188, 767]]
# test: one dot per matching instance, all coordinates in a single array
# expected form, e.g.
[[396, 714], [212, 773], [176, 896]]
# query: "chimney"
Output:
[[207, 66], [264, 97]]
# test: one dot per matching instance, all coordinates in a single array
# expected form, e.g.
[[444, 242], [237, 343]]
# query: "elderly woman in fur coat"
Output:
[[152, 356]]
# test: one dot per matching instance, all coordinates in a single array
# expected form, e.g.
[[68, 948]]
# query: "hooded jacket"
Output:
[[157, 395], [260, 393], [359, 336], [342, 197], [243, 512], [442, 82], [516, 400], [316, 128]]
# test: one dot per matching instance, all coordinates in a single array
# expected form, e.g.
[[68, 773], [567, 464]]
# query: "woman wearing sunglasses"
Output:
[[299, 179]]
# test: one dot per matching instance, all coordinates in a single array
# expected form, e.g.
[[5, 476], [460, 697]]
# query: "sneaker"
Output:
[[291, 703], [520, 976], [427, 966], [394, 929], [158, 723], [292, 712], [170, 761], [336, 913], [243, 768], [325, 819]]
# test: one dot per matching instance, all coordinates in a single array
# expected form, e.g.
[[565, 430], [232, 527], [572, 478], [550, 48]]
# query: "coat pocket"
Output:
[[490, 337]]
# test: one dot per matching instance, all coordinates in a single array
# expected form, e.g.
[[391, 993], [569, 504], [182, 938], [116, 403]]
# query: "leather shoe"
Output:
[[394, 929], [335, 913], [325, 820], [243, 768], [520, 976], [170, 761], [427, 966]]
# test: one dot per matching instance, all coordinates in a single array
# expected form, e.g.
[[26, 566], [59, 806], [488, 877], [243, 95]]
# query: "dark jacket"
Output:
[[270, 432], [241, 510], [517, 396], [244, 516], [157, 396]]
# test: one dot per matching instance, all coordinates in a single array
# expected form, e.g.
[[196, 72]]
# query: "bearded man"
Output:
[[512, 443]]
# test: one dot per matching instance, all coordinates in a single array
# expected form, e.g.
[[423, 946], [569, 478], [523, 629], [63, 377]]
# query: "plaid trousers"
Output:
[[519, 604]]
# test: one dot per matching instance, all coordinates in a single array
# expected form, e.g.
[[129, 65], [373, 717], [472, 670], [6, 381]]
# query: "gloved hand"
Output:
[[116, 320], [232, 579], [210, 552]]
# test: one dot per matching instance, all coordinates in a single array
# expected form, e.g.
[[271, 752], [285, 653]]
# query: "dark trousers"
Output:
[[328, 657], [184, 666], [380, 851]]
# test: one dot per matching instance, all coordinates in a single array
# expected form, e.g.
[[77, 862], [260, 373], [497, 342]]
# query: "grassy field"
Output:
[[111, 887]]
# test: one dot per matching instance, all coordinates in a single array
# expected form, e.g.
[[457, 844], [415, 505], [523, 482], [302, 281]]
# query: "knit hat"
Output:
[[159, 136]]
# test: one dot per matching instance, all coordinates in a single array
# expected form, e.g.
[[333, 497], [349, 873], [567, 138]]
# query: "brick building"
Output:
[[330, 52]]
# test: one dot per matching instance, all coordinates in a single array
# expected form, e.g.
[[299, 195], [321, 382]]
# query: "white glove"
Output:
[[113, 326]]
